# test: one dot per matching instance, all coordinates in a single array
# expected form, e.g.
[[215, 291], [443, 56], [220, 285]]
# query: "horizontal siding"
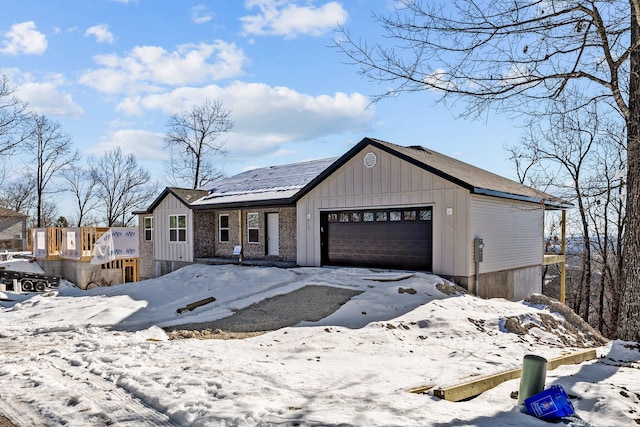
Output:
[[511, 232], [12, 227]]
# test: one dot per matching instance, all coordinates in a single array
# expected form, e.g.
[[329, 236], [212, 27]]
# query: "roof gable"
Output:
[[184, 195], [474, 179]]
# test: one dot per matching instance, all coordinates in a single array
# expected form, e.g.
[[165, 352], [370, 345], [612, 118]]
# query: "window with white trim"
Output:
[[177, 228], [253, 227], [148, 228], [223, 228]]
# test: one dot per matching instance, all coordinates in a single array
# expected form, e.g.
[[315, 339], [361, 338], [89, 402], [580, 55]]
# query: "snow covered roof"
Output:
[[285, 184], [476, 180], [273, 184]]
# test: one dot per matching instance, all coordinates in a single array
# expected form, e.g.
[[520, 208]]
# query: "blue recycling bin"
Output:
[[550, 404]]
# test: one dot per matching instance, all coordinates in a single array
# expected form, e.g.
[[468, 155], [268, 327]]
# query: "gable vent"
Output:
[[370, 160]]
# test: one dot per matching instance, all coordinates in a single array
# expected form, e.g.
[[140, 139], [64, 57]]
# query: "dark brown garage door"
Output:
[[389, 238]]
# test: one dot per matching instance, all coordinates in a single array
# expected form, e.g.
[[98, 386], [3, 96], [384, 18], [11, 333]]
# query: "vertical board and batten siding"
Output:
[[511, 232], [163, 249], [392, 182]]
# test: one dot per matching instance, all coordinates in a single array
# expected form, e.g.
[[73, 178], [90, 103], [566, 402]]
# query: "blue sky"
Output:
[[112, 71]]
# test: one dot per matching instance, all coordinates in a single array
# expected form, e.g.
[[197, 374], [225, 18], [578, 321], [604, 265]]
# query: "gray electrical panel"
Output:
[[478, 249]]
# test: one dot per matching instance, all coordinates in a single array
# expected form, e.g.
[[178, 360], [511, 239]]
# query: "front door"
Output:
[[273, 234]]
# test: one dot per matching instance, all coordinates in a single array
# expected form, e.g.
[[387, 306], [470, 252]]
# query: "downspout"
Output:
[[477, 279]]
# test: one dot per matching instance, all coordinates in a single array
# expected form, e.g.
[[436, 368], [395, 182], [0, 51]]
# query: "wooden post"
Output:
[[563, 264]]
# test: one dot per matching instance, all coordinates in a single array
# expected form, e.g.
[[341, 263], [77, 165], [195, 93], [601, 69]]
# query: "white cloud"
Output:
[[518, 73], [101, 33], [24, 38], [200, 14], [283, 152], [47, 98], [266, 117], [143, 144], [285, 18], [439, 80], [43, 97], [146, 68]]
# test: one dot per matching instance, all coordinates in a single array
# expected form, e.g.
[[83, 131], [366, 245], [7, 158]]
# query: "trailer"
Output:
[[28, 282]]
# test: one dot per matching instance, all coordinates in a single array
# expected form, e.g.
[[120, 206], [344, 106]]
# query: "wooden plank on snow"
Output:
[[195, 305], [473, 388]]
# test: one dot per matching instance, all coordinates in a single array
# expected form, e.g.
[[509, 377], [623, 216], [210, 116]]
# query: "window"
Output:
[[253, 225], [177, 228], [148, 229], [367, 216], [381, 216], [425, 215], [395, 216], [223, 226]]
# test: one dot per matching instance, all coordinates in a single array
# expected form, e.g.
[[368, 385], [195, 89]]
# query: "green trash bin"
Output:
[[534, 374]]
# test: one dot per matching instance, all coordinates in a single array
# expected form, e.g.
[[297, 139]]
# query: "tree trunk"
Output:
[[629, 316]]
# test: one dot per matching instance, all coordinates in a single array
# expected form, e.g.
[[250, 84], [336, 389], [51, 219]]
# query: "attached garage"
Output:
[[394, 238], [383, 205]]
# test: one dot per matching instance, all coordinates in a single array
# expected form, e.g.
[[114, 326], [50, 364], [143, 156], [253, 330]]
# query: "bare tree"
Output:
[[82, 184], [518, 55], [193, 138], [607, 215], [579, 155], [49, 150], [48, 215], [122, 185], [18, 195], [12, 118]]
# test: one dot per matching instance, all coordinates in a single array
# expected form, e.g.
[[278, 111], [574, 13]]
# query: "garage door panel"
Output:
[[402, 244]]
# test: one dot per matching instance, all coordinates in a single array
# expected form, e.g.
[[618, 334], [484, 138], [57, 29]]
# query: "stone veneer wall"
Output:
[[204, 233], [207, 244]]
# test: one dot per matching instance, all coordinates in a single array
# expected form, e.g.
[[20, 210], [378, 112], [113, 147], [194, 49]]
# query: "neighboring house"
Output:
[[380, 205], [13, 230]]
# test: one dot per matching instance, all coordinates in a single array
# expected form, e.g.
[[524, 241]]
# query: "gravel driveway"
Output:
[[310, 303]]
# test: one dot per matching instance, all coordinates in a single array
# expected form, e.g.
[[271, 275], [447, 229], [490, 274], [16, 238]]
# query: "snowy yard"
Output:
[[101, 357]]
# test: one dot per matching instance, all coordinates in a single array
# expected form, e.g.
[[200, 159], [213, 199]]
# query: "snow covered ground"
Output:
[[100, 357]]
